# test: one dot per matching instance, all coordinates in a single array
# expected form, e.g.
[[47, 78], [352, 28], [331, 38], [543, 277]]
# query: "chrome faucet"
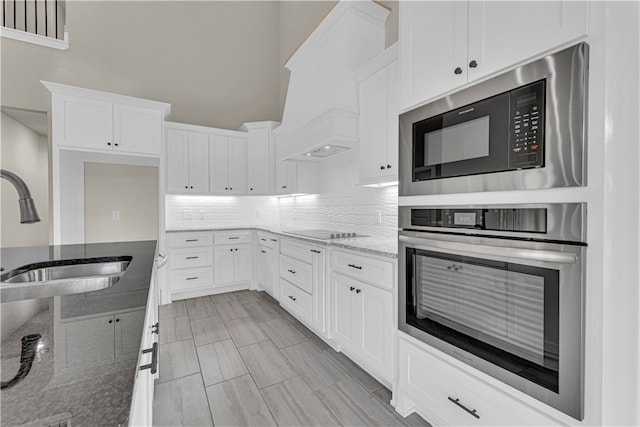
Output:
[[28, 212]]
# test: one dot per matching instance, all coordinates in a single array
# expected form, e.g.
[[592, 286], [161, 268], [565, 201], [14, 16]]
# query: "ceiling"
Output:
[[34, 120], [218, 63]]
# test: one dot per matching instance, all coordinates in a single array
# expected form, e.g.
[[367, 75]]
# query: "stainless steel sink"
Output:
[[64, 277]]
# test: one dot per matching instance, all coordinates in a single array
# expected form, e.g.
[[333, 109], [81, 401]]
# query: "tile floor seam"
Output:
[[204, 386]]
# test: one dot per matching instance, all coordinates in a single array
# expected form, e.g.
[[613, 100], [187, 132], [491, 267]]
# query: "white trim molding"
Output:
[[37, 39]]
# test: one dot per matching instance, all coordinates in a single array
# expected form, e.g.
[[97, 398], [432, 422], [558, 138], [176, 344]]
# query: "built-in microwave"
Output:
[[523, 129]]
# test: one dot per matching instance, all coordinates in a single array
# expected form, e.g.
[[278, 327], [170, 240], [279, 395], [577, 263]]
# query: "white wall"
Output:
[[132, 191], [25, 153]]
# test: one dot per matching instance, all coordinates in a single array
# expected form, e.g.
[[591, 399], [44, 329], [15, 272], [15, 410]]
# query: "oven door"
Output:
[[512, 309]]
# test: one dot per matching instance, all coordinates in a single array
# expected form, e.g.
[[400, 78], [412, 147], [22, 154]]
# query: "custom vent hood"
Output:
[[320, 116]]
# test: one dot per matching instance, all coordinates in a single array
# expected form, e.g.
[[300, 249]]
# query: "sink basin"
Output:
[[62, 277]]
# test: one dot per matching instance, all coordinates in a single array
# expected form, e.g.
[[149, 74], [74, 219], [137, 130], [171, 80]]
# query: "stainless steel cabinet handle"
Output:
[[292, 271], [471, 411], [264, 240], [264, 252], [293, 298], [191, 240], [234, 238], [274, 240], [355, 266], [154, 358], [315, 251], [192, 257], [192, 278]]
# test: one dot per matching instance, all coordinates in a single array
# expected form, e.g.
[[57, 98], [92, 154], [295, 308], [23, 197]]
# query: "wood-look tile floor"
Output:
[[239, 359]]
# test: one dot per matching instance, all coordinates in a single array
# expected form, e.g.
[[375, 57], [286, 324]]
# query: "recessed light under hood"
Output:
[[325, 151]]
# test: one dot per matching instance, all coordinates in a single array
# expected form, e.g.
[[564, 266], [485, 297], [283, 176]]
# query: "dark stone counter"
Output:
[[84, 361]]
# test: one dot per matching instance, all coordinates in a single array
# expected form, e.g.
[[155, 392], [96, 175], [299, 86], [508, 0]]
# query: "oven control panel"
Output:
[[526, 148], [527, 220]]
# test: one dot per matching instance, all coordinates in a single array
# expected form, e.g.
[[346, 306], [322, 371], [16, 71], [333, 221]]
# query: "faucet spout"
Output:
[[28, 211]]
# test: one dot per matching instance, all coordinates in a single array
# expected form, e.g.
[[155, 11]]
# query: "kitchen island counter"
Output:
[[84, 362]]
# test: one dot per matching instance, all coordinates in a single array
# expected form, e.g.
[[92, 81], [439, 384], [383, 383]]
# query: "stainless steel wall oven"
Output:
[[500, 288], [520, 130]]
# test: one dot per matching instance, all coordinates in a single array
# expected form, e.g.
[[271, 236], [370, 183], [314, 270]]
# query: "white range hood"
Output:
[[320, 116]]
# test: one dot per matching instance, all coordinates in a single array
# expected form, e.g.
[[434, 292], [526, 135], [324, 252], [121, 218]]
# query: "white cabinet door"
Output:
[[375, 312], [266, 269], [137, 130], [86, 123], [90, 341], [237, 165], [319, 290], [224, 269], [258, 162], [287, 177], [503, 33], [242, 267], [343, 329], [127, 334], [198, 162], [393, 105], [373, 126], [177, 161], [219, 164], [434, 44]]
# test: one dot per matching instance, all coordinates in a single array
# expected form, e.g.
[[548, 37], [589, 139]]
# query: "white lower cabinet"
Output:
[[267, 264], [302, 282], [362, 319], [191, 263], [446, 395], [233, 264]]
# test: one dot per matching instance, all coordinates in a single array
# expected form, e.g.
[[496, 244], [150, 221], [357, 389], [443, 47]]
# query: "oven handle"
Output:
[[476, 250]]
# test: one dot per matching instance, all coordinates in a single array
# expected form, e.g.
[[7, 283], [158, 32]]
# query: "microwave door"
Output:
[[466, 141]]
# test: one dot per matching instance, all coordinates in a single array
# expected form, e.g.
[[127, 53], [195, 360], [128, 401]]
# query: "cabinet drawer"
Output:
[[232, 237], [193, 278], [296, 301], [268, 240], [297, 272], [297, 250], [432, 381], [374, 271], [191, 257], [185, 240]]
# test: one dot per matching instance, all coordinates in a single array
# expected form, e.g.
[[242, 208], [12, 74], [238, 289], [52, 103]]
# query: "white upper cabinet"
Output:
[[187, 161], [137, 130], [287, 177], [378, 99], [85, 123], [228, 164], [260, 157], [445, 45], [98, 121]]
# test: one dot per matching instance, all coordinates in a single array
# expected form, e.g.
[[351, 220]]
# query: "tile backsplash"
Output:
[[363, 210]]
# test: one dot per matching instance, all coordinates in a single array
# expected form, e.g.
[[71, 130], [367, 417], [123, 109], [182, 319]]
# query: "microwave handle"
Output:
[[476, 250]]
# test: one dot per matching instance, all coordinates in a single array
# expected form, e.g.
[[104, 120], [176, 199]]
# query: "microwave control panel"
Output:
[[527, 107], [527, 220]]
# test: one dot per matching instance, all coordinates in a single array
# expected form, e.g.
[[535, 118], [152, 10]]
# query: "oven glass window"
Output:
[[463, 141], [503, 312]]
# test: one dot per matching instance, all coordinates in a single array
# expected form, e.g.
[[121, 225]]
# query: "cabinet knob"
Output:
[[351, 288], [116, 144], [284, 186], [388, 166], [231, 250], [381, 167], [110, 321], [251, 189], [108, 143], [472, 64], [226, 188], [117, 320], [358, 291], [186, 186], [458, 70], [191, 186], [230, 188], [236, 249]]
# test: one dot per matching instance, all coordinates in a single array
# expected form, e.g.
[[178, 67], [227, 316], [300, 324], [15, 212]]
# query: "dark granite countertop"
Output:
[[84, 359]]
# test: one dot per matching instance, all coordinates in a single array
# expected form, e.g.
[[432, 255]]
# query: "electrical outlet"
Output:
[[378, 217], [115, 215], [187, 214]]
